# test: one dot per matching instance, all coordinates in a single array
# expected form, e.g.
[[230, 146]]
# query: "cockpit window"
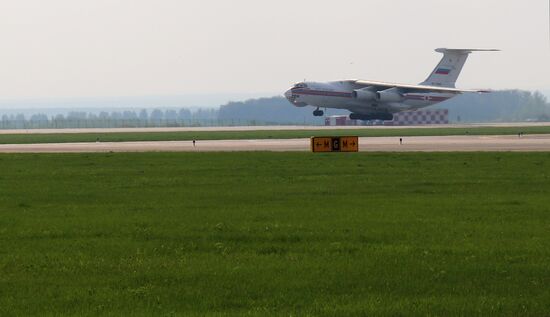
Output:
[[300, 85]]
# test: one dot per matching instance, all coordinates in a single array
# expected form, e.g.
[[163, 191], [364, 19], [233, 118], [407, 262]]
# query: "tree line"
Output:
[[500, 106], [114, 119]]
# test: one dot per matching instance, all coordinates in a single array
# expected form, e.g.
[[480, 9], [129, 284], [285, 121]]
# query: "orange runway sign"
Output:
[[335, 144]]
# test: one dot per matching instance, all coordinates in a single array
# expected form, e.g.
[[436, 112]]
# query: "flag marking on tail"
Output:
[[447, 71]]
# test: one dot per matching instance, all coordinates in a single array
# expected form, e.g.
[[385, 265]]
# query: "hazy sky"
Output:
[[76, 48]]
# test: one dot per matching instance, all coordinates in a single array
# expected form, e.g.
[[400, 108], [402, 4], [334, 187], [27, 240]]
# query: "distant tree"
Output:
[[19, 121], [143, 116], [157, 116], [77, 115], [206, 114], [129, 115], [115, 115], [104, 115], [5, 122], [171, 115], [39, 117], [184, 114]]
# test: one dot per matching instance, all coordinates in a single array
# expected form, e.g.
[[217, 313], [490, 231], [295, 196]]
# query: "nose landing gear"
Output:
[[318, 113]]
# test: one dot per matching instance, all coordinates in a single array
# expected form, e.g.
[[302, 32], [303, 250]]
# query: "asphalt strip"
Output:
[[508, 143]]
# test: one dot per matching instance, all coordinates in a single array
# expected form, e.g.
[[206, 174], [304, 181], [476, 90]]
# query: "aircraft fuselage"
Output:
[[343, 95]]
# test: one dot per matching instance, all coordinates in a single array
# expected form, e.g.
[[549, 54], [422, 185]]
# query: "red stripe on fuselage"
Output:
[[342, 94]]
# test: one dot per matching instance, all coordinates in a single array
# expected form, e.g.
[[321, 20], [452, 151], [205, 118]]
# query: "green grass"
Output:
[[232, 135], [284, 234]]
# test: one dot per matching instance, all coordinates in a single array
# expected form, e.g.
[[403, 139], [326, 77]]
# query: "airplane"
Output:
[[375, 100]]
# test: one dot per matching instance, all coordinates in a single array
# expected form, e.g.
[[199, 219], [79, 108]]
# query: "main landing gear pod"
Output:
[[318, 113], [373, 116]]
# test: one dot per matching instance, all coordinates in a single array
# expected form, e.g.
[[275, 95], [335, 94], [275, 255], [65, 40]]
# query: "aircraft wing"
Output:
[[417, 88]]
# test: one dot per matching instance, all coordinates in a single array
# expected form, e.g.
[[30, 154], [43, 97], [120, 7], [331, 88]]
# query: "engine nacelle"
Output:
[[389, 96], [364, 94]]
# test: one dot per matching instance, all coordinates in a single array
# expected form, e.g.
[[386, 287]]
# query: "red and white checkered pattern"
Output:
[[339, 121], [421, 117]]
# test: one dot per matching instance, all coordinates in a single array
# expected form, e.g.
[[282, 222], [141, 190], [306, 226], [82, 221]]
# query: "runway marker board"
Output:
[[335, 144]]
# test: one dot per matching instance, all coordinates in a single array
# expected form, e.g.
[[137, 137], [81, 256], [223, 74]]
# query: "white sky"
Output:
[[77, 48]]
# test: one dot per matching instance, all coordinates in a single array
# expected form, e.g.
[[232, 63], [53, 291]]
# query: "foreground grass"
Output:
[[275, 234], [234, 135]]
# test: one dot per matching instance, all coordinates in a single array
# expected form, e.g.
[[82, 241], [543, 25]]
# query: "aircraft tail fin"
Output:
[[447, 71]]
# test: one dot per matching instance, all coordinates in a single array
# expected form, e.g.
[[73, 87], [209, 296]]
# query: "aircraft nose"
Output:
[[288, 95]]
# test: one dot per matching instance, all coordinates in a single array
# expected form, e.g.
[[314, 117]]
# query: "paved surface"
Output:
[[266, 128], [383, 144]]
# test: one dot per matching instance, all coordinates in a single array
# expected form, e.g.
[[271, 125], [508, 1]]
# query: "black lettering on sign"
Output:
[[336, 144]]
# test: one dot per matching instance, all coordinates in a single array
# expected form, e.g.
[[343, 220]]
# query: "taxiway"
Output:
[[527, 143]]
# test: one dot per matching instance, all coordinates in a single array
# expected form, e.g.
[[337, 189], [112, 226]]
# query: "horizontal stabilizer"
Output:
[[465, 50]]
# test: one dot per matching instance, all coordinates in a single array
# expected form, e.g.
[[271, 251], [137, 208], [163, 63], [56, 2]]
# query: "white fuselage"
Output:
[[343, 95]]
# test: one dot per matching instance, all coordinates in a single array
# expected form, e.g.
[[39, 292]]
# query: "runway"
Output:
[[265, 128], [528, 143]]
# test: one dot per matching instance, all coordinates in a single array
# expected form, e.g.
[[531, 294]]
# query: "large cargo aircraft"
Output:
[[373, 100]]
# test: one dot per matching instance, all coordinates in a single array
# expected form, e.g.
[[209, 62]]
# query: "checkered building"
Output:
[[422, 117]]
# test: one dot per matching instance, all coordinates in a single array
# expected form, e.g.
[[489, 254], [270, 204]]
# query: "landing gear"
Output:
[[318, 113]]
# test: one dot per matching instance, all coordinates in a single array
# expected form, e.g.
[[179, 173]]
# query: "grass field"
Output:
[[275, 234], [232, 135]]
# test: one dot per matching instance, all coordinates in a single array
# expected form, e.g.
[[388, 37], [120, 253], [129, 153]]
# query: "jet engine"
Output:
[[389, 96], [364, 94]]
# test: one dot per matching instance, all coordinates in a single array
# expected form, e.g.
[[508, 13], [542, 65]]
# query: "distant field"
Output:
[[275, 234], [232, 135]]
